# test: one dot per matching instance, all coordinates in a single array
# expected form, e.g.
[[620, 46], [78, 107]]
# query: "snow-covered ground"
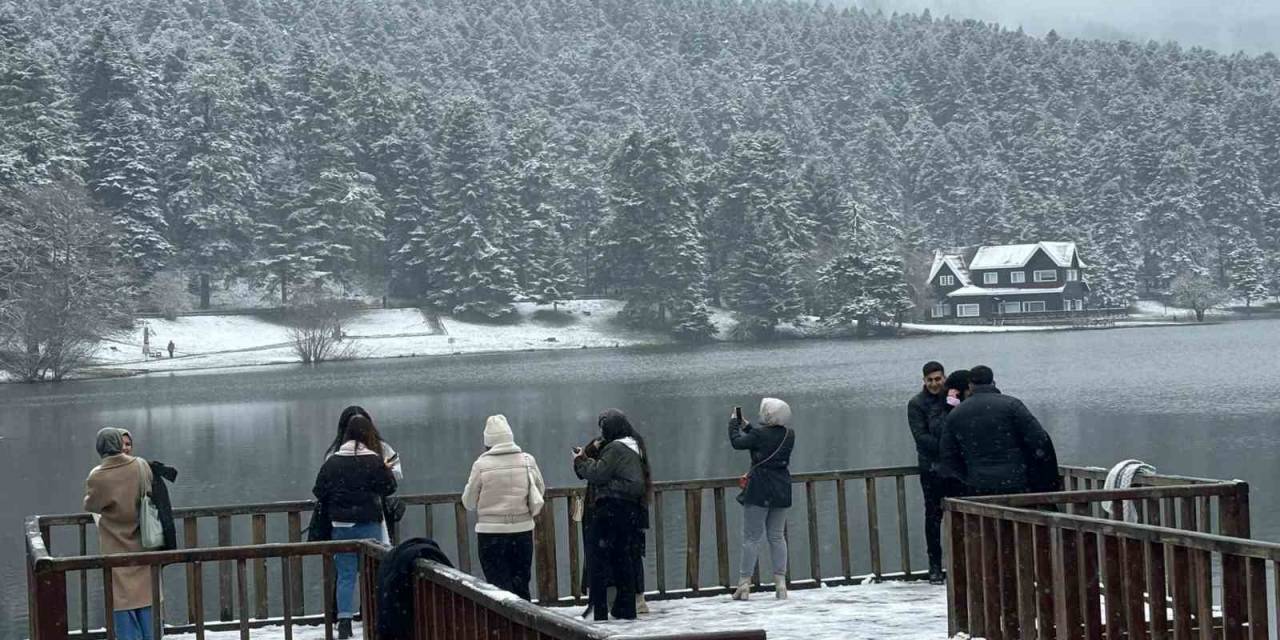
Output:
[[890, 610], [887, 611], [205, 342]]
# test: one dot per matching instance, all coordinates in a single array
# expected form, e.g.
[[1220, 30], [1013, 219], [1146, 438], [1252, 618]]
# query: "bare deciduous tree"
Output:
[[63, 284], [1198, 293], [315, 327]]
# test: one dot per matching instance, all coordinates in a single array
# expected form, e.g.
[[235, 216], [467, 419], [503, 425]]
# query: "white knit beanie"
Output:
[[774, 412], [497, 431]]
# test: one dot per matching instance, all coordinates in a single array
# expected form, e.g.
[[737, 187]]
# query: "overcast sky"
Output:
[[1224, 25]]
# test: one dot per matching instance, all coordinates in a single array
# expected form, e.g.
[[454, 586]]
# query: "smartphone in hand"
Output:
[[737, 413]]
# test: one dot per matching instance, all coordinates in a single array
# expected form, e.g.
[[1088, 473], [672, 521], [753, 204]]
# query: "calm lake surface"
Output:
[[1195, 400]]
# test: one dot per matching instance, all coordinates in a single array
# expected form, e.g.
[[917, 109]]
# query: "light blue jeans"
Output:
[[132, 624], [759, 523], [347, 564]]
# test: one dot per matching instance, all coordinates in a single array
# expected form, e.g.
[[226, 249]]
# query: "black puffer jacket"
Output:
[[352, 487], [925, 414], [617, 473], [993, 443], [160, 472], [770, 482]]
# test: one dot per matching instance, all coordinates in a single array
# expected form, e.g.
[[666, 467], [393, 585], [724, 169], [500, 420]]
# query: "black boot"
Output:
[[344, 629], [935, 576]]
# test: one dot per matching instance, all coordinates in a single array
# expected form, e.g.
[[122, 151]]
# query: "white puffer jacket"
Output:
[[498, 488]]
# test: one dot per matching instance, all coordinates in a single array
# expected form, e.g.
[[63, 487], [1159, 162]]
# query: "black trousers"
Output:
[[507, 560], [615, 558], [936, 488]]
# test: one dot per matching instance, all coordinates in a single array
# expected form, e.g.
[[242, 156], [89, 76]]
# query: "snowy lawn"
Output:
[[906, 610]]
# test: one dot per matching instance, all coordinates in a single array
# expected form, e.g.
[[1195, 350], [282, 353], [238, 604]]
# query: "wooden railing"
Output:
[[840, 519], [1052, 566], [450, 604]]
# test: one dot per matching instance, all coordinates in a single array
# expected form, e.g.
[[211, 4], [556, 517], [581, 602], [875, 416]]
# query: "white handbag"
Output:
[[535, 498], [150, 532]]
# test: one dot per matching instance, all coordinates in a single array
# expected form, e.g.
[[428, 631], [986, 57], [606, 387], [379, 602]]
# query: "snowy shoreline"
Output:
[[224, 342]]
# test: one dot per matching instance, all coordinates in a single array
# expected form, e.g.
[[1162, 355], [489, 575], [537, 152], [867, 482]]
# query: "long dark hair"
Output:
[[344, 420], [361, 430], [614, 425]]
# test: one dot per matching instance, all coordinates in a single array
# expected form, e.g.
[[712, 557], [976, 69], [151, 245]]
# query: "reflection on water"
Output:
[[1191, 400]]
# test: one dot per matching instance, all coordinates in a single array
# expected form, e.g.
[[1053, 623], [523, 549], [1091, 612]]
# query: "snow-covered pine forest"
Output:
[[774, 158]]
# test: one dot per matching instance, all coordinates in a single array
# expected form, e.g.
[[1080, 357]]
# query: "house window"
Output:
[[1073, 305], [941, 310], [1073, 275], [1033, 307], [1011, 307], [946, 281], [991, 278], [1018, 277], [966, 311], [1046, 275]]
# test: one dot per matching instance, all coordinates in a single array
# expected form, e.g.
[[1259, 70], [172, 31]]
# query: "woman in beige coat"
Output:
[[112, 492]]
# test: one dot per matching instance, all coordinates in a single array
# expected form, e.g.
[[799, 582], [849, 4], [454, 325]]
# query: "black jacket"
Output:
[[395, 585], [352, 487], [770, 483], [925, 414], [617, 473], [993, 443], [160, 498]]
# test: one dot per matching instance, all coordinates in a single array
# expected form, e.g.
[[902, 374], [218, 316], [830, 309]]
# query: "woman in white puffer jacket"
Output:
[[505, 490]]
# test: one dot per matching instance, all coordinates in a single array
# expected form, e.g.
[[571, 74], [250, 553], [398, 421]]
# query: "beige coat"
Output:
[[498, 490], [112, 491]]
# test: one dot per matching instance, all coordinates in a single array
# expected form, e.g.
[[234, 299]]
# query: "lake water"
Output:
[[1195, 400]]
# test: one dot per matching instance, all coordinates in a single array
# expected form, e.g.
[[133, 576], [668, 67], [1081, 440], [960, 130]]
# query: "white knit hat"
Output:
[[774, 412], [497, 431]]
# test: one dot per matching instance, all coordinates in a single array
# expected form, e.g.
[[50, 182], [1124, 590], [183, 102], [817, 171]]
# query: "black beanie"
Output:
[[958, 380]]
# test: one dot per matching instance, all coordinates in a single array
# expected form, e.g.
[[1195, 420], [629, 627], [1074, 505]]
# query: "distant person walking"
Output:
[[112, 492], [505, 490], [389, 455], [926, 412], [172, 348], [620, 484], [351, 485], [766, 495], [993, 443]]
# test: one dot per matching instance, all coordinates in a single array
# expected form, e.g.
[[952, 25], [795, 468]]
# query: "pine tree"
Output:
[[38, 136], [650, 244], [1232, 195], [470, 271], [1175, 234], [117, 115], [866, 286], [214, 181], [1113, 243], [764, 287], [543, 271], [410, 219], [1246, 267]]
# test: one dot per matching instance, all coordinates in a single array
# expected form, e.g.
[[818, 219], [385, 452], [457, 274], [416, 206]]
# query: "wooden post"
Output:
[[260, 568], [197, 569], [991, 579], [815, 547], [544, 545], [191, 540], [108, 600], [722, 539], [242, 598], [224, 571], [295, 566], [1044, 581], [1180, 585], [157, 605], [1235, 603], [1233, 512], [1157, 591], [286, 592], [463, 536], [660, 550], [1257, 599], [692, 538], [1007, 576], [1066, 584], [330, 582], [873, 529], [49, 609], [904, 536], [1202, 586], [954, 553], [1113, 585], [1135, 588], [842, 513], [573, 533]]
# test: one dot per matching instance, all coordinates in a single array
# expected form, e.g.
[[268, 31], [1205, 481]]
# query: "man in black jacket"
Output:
[[926, 412], [993, 443]]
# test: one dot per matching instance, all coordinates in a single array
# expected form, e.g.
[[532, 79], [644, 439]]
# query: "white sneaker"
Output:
[[780, 586], [743, 592]]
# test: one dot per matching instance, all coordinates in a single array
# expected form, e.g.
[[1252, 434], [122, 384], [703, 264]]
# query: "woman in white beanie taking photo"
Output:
[[766, 490], [505, 490]]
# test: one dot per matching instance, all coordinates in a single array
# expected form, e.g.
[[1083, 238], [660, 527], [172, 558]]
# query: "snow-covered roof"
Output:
[[982, 291], [1013, 256], [955, 261]]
